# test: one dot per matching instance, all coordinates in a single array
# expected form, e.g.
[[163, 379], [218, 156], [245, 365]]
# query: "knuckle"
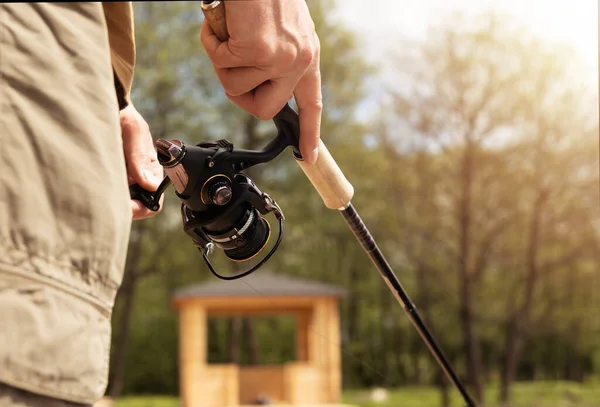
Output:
[[132, 124], [287, 56], [317, 47], [318, 105], [306, 56], [128, 125], [265, 52], [314, 103]]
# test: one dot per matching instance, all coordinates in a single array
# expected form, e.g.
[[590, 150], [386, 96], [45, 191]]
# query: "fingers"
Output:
[[139, 211], [143, 167], [238, 81], [142, 163], [267, 99], [219, 52], [310, 107]]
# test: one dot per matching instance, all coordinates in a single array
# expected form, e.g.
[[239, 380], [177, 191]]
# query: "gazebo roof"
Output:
[[259, 284]]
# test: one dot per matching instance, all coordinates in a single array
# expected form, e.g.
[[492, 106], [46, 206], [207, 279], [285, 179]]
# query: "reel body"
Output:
[[220, 205]]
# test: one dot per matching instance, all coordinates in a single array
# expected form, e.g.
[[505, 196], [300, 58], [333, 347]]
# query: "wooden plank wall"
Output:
[[255, 381], [192, 352], [218, 386], [304, 384]]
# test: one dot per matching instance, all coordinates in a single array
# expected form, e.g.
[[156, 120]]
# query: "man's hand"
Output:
[[272, 53], [142, 163]]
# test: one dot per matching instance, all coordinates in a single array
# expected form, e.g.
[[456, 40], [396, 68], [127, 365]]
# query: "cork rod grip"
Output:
[[214, 13], [325, 175], [328, 179]]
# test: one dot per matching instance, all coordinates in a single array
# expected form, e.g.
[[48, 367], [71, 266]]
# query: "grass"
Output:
[[531, 394], [148, 401]]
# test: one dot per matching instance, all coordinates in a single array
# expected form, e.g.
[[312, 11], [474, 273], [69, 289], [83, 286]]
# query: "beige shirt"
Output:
[[120, 26], [65, 216]]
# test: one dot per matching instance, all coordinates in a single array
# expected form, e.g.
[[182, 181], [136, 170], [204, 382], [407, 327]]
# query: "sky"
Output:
[[571, 22]]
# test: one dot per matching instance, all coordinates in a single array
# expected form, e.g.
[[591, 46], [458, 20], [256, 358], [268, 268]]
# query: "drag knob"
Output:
[[220, 193]]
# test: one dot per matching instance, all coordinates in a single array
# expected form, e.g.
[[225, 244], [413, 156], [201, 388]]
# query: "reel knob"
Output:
[[220, 193]]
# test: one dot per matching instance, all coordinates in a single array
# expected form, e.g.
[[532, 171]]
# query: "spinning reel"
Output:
[[220, 206]]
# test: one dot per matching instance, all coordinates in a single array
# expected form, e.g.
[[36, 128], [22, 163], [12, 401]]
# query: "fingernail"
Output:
[[151, 178]]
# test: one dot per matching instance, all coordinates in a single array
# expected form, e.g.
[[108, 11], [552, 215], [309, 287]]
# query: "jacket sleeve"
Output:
[[121, 35]]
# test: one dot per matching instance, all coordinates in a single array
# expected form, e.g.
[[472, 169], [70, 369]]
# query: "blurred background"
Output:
[[469, 130]]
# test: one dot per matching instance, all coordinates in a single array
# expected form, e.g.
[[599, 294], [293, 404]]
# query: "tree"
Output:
[[557, 176], [467, 96], [461, 97]]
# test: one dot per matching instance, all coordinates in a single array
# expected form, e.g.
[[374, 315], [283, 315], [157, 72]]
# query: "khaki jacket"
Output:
[[65, 216]]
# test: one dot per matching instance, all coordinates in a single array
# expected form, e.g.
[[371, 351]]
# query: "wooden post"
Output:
[[302, 333], [325, 347], [192, 357], [320, 332], [334, 369], [317, 349]]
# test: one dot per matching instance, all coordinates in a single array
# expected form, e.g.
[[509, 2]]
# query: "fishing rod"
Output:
[[222, 207]]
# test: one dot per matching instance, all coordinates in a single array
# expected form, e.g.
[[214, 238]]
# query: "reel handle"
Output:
[[325, 175]]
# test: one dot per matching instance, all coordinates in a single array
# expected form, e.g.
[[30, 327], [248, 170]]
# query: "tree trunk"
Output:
[[251, 341], [471, 345], [416, 359], [442, 383], [118, 377], [470, 342], [516, 334], [574, 368], [384, 306], [512, 351]]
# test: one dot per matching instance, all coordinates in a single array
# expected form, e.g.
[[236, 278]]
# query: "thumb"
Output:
[[142, 163], [142, 170]]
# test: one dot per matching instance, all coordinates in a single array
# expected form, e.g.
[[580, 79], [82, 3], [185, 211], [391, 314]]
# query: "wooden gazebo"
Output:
[[314, 378]]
